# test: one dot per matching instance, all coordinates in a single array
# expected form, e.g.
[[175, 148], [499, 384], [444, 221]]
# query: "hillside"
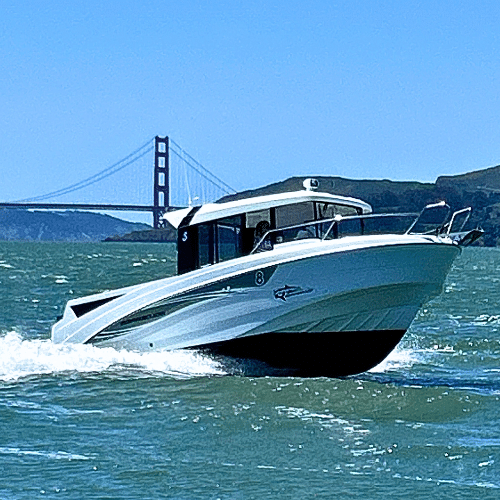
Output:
[[24, 225], [479, 189], [164, 235]]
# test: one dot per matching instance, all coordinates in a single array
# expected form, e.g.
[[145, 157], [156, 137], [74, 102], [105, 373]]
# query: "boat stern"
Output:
[[69, 326]]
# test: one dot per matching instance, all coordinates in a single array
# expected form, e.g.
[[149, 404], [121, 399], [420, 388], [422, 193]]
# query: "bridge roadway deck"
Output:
[[84, 206]]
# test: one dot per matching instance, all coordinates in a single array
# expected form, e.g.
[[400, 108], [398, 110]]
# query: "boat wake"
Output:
[[399, 359], [21, 358], [406, 365]]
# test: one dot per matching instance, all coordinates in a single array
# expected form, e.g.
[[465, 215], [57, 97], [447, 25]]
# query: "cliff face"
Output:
[[27, 225]]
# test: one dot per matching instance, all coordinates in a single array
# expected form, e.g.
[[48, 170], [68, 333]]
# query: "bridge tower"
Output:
[[161, 195]]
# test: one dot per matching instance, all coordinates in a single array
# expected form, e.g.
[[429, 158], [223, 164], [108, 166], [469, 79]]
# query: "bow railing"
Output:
[[424, 222]]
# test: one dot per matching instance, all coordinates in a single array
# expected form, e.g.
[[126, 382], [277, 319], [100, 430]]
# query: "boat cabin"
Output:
[[218, 232]]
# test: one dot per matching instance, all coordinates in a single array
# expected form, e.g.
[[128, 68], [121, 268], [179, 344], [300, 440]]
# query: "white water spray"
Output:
[[20, 358]]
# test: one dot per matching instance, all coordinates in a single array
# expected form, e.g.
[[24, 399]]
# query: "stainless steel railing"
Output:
[[340, 226]]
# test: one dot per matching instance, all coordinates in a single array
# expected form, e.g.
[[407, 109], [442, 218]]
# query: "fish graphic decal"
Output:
[[290, 291]]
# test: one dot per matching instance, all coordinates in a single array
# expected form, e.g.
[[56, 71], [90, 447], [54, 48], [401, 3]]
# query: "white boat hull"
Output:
[[313, 307]]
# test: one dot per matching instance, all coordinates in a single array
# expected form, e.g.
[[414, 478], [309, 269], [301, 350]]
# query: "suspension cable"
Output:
[[205, 173], [116, 167]]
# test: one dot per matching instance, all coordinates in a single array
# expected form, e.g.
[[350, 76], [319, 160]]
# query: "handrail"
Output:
[[333, 221], [458, 212], [442, 228]]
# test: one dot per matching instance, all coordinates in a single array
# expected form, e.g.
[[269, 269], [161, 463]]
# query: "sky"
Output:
[[256, 91]]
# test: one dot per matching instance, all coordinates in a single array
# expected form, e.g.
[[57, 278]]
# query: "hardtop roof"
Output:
[[214, 211]]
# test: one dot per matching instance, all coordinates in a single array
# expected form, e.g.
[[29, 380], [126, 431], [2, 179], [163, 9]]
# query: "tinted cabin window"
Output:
[[292, 215], [330, 210], [205, 244], [253, 218], [229, 238], [346, 227], [250, 237]]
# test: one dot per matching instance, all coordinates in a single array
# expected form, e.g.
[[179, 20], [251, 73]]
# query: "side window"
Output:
[[253, 218], [329, 210], [346, 211], [326, 211], [229, 238], [205, 244], [292, 215]]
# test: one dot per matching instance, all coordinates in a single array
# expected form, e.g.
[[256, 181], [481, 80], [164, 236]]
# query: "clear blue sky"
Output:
[[257, 91]]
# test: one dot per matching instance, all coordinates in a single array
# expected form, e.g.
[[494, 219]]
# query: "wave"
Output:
[[21, 358], [428, 367]]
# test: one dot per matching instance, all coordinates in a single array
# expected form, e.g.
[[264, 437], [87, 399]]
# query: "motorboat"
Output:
[[302, 283]]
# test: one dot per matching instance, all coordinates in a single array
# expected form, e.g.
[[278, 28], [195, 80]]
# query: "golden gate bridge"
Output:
[[191, 182]]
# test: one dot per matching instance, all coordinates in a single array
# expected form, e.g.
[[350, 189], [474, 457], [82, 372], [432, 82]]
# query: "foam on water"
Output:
[[55, 455], [20, 358], [399, 358]]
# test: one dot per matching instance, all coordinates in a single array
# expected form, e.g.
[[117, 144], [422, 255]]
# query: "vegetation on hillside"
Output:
[[479, 189], [26, 225]]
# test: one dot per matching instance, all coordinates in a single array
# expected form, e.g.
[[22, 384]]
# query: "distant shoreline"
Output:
[[147, 236], [479, 189]]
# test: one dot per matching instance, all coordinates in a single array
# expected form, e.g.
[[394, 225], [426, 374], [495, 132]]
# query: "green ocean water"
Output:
[[78, 422]]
